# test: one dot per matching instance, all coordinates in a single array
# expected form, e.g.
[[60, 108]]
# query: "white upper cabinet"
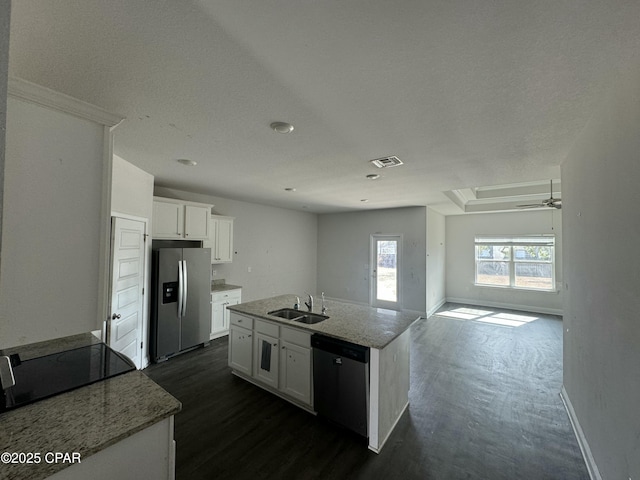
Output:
[[177, 219], [220, 239], [168, 220], [196, 222]]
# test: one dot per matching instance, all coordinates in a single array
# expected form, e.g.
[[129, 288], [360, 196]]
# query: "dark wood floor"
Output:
[[484, 399]]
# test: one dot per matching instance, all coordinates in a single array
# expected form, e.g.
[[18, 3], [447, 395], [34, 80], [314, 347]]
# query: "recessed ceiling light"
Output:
[[187, 162], [373, 176], [290, 189], [282, 127]]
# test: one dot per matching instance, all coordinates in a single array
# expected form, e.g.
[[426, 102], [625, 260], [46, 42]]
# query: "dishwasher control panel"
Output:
[[340, 347]]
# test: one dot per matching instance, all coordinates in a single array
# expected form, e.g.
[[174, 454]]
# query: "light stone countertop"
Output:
[[85, 420], [223, 287], [362, 325]]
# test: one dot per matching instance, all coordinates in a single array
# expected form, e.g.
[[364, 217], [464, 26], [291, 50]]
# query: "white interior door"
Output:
[[124, 332], [385, 271]]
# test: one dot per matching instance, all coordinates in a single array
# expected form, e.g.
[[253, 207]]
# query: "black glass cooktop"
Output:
[[43, 377]]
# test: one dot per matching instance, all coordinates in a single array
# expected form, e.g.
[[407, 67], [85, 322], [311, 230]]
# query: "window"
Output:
[[526, 262]]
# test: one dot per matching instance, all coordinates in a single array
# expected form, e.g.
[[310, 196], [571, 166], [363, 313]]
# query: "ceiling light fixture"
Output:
[[282, 127], [373, 176], [187, 162], [290, 189], [364, 200]]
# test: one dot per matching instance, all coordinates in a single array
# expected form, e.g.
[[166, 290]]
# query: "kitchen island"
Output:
[[384, 332], [121, 427]]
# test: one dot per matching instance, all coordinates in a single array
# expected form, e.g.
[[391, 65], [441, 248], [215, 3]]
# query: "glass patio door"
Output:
[[385, 272]]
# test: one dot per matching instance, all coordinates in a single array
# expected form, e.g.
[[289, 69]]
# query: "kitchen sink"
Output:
[[311, 318], [298, 315], [287, 313]]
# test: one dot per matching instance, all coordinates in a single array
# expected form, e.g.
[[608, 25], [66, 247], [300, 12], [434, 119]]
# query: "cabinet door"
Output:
[[232, 300], [295, 372], [167, 220], [241, 349], [196, 222], [218, 314], [212, 242], [224, 244], [265, 360]]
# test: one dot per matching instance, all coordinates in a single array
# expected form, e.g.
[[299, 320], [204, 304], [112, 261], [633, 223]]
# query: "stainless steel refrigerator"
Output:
[[181, 300]]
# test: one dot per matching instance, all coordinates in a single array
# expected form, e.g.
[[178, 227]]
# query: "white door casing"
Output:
[[125, 326]]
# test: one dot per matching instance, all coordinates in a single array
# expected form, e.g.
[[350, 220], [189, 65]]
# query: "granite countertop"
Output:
[[223, 287], [362, 325], [85, 420]]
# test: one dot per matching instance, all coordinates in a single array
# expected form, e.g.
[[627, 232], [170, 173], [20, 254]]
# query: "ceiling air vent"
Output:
[[387, 162]]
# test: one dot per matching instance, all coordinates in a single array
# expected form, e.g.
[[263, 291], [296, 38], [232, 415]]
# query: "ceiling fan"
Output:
[[549, 202]]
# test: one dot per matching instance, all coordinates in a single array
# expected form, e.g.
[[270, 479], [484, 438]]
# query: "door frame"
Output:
[[146, 280], [373, 302]]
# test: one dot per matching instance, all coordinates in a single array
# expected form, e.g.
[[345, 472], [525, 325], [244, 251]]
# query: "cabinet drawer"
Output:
[[298, 337], [225, 295], [241, 320], [267, 328]]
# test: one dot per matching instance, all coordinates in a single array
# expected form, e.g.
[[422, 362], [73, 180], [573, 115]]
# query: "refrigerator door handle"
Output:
[[185, 291], [180, 289]]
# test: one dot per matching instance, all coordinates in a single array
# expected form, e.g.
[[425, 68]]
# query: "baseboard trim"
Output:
[[508, 306], [592, 468], [437, 307]]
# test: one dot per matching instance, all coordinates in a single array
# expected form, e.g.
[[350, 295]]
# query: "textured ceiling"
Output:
[[466, 93]]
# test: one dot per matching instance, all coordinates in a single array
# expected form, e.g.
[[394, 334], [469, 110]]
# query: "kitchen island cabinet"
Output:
[[241, 344], [385, 332], [273, 357], [121, 427], [295, 371]]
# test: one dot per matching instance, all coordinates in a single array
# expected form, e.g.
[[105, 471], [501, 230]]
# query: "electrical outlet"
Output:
[[214, 272], [248, 269]]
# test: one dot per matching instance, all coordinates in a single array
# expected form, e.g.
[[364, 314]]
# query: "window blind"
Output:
[[538, 240]]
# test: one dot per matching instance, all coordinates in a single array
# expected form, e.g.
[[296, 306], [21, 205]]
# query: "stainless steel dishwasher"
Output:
[[341, 382]]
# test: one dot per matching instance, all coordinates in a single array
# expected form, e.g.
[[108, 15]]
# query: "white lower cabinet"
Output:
[[241, 344], [265, 360], [220, 316], [282, 360], [295, 372]]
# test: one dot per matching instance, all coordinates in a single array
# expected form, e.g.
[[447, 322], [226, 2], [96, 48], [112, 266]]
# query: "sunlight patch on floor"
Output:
[[487, 316]]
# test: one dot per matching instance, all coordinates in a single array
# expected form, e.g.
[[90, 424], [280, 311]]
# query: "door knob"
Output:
[[115, 316]]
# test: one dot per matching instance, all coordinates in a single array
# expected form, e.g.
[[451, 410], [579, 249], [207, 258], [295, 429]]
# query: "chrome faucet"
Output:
[[324, 309], [309, 304], [296, 306]]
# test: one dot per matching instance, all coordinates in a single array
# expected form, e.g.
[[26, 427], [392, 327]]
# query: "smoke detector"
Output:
[[387, 162]]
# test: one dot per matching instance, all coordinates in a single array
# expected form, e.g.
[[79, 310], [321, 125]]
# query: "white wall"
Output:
[[460, 264], [344, 257], [436, 260], [131, 189], [279, 245], [51, 225], [602, 274], [5, 15]]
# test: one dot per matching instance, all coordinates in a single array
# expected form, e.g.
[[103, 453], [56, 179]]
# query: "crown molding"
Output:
[[39, 95]]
